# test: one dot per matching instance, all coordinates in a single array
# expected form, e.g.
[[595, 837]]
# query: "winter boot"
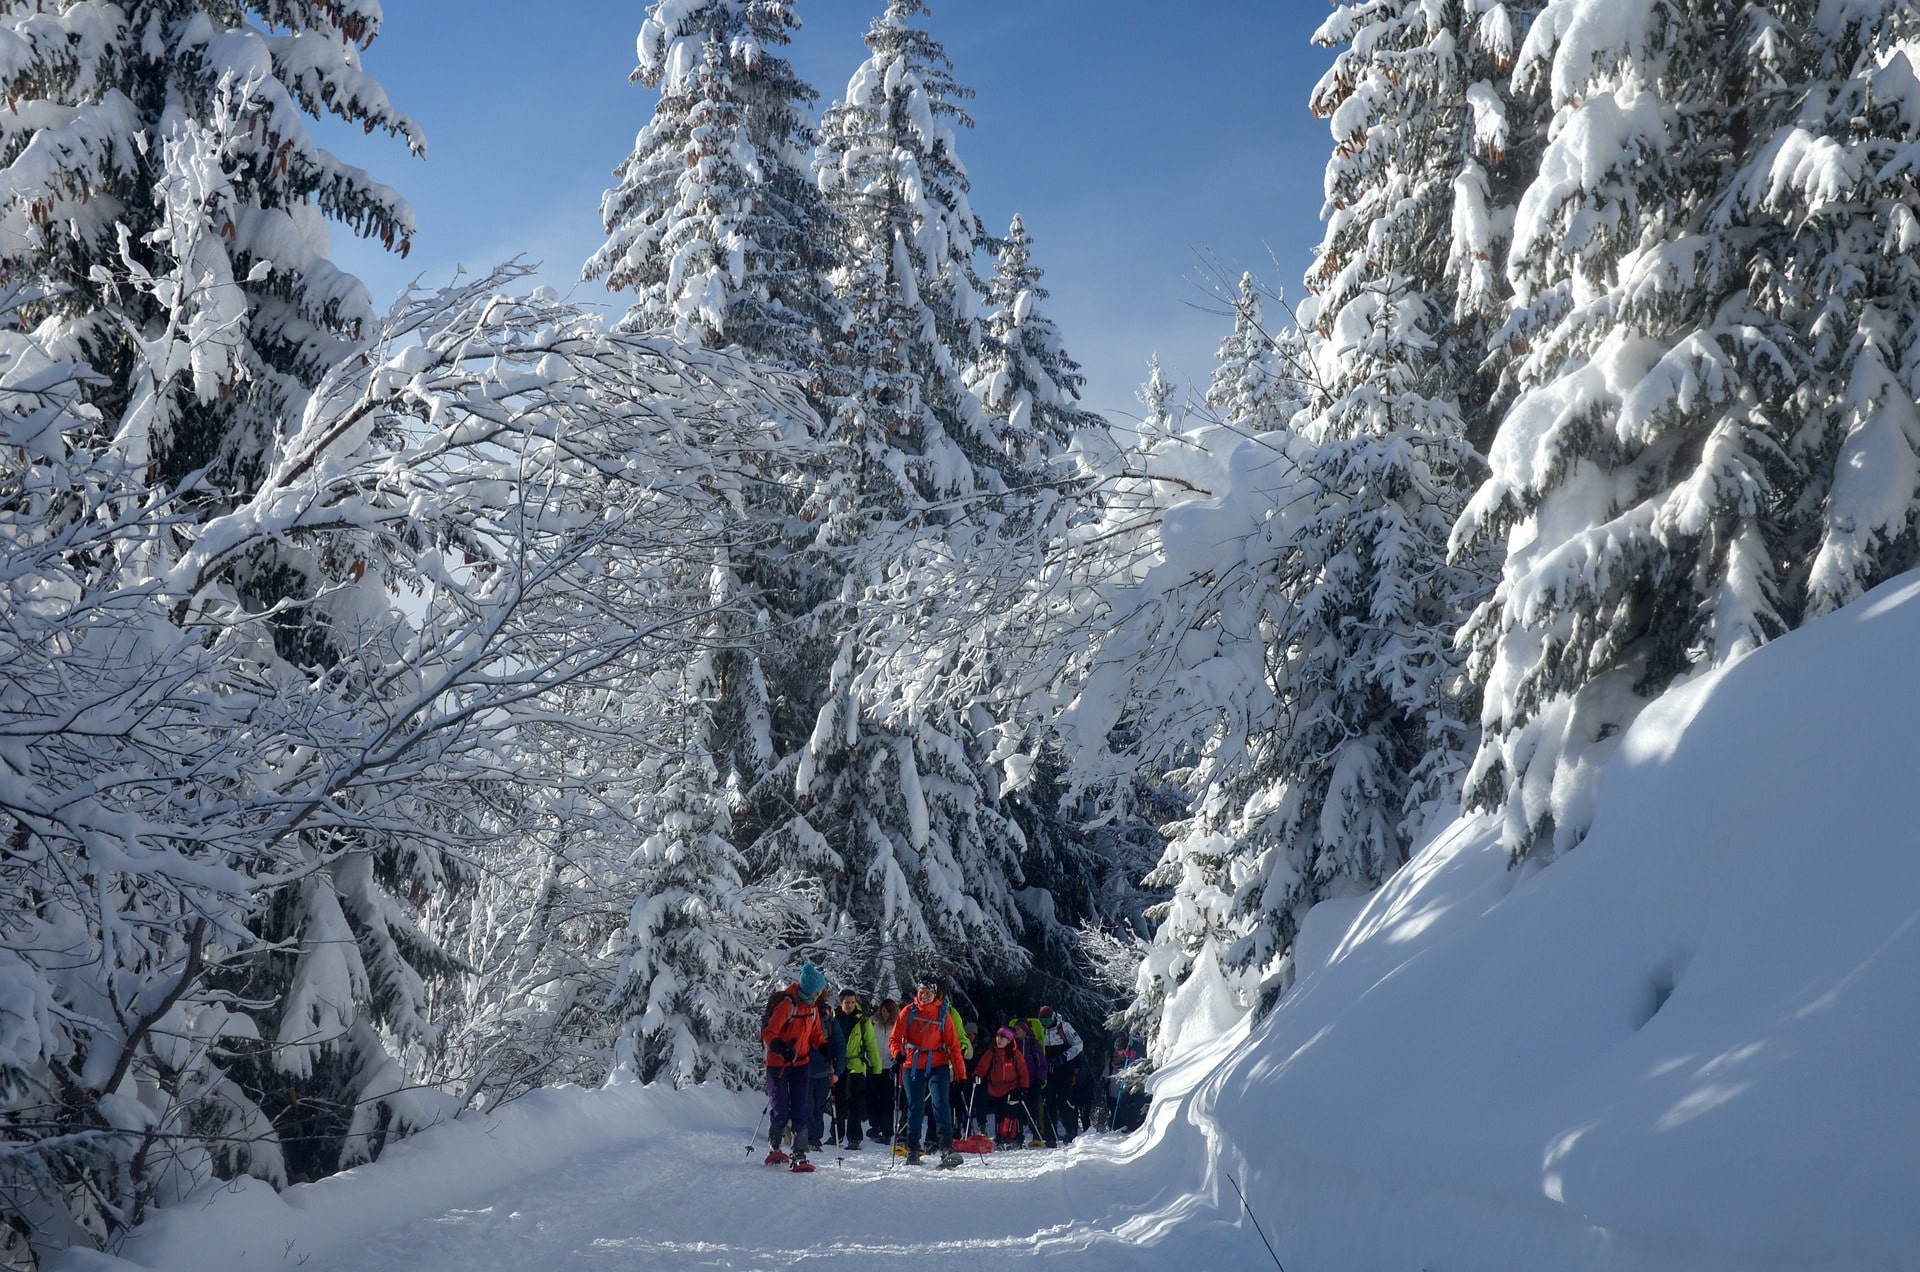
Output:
[[948, 1158], [801, 1166], [913, 1154]]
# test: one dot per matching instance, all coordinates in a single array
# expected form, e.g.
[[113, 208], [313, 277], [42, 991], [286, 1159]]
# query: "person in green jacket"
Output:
[[863, 1066]]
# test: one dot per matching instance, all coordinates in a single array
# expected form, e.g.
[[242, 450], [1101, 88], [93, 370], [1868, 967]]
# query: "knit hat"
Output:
[[813, 982], [1007, 1034], [1046, 1013]]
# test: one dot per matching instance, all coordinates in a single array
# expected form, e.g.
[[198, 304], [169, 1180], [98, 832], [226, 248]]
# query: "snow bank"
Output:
[[1690, 1043], [246, 1225]]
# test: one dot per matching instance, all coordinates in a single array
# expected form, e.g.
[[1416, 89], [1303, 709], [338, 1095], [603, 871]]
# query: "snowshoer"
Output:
[[926, 1042], [1063, 1047], [1004, 1072], [791, 1032], [1033, 1048], [860, 1065], [824, 1068], [882, 1105]]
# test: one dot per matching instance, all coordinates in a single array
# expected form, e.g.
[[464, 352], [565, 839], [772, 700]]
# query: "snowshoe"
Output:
[[949, 1159], [1036, 1143], [973, 1144], [899, 1148], [801, 1166], [777, 1158], [851, 1146]]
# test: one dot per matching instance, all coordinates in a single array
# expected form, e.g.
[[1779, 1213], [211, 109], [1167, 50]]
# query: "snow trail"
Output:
[[693, 1198], [633, 1177]]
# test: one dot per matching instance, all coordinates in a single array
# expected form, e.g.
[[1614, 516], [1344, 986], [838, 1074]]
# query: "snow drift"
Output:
[[1689, 1043]]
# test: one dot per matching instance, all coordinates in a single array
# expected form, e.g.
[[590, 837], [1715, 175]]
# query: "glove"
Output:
[[783, 1048]]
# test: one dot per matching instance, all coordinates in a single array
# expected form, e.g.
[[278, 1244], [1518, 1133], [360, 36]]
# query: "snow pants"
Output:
[[850, 1107], [820, 1092], [1060, 1092], [921, 1084], [789, 1089], [1002, 1114], [881, 1090]]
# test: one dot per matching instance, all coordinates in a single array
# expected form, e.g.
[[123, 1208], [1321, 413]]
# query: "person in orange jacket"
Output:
[[1004, 1071], [927, 1047], [791, 1031]]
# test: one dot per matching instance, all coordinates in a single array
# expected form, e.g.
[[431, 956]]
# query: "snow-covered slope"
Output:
[[1693, 1042]]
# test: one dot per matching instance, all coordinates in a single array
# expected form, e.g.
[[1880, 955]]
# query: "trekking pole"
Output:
[[756, 1128], [1031, 1124]]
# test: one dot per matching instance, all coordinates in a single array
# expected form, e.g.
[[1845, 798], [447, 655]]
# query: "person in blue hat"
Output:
[[792, 1031]]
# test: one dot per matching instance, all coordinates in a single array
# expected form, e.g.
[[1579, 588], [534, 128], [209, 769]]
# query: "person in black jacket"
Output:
[[827, 1064]]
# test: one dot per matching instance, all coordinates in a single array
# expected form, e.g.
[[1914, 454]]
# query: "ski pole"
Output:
[[1031, 1124], [756, 1128]]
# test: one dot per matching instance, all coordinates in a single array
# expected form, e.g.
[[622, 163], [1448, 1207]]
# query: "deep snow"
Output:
[[1690, 1043]]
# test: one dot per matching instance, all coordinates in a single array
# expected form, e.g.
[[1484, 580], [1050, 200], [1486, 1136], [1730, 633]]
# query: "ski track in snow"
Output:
[[698, 1199]]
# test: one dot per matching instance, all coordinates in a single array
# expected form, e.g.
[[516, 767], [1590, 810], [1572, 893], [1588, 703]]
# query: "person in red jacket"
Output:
[[792, 1030], [927, 1047], [1003, 1070]]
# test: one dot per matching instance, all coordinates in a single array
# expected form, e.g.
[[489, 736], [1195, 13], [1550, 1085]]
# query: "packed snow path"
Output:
[[646, 1178], [696, 1199]]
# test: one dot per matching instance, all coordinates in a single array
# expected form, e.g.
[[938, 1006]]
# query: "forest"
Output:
[[405, 706]]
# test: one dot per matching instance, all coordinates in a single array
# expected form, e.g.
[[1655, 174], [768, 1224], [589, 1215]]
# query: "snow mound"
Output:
[[1689, 1043], [246, 1225]]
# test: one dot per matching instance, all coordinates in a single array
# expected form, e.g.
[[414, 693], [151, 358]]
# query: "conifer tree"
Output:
[[1022, 373], [1833, 184], [169, 207], [168, 141], [1374, 729], [716, 225], [890, 168], [690, 964], [1249, 389], [896, 816], [1640, 475]]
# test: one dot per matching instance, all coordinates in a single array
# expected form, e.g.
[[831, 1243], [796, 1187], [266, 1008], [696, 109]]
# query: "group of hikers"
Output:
[[839, 1075]]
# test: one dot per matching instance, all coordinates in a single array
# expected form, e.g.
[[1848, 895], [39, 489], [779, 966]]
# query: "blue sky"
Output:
[[1139, 143]]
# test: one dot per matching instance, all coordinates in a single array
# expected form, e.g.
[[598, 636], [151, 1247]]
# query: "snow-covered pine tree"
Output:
[[110, 100], [1375, 724], [1640, 476], [169, 207], [719, 228], [1166, 601], [1832, 183], [691, 961], [1022, 373], [964, 611], [716, 224], [896, 819], [1250, 389], [889, 164]]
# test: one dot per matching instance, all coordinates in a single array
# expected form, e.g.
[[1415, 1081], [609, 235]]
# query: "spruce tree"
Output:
[[896, 817], [1640, 475], [1375, 726], [716, 225], [173, 208], [691, 957]]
